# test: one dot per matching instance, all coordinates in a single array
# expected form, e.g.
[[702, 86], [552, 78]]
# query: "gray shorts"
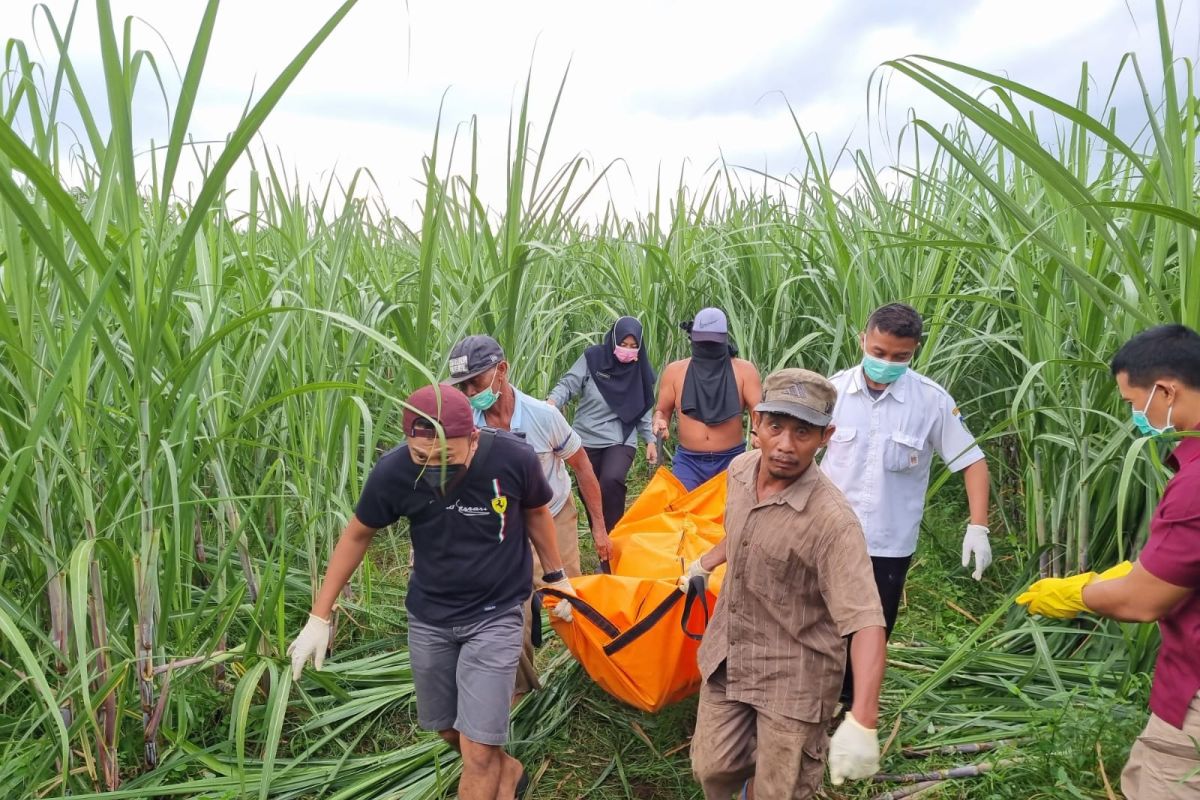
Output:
[[464, 674]]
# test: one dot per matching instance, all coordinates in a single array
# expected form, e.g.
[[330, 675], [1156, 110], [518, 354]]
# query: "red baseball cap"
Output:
[[443, 404]]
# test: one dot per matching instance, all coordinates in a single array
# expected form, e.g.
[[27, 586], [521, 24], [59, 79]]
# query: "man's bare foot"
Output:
[[510, 774]]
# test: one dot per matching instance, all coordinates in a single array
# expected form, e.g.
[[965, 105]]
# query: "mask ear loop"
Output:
[[1149, 400], [492, 385]]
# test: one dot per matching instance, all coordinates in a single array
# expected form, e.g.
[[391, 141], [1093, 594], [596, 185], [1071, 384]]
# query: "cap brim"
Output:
[[802, 413], [449, 433], [454, 380], [710, 336]]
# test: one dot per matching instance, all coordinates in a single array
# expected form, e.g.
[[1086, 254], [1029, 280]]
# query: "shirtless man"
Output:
[[711, 390]]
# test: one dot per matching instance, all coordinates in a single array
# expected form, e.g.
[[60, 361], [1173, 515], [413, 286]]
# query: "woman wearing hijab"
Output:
[[614, 384]]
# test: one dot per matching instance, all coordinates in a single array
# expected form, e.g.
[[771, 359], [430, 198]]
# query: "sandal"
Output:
[[522, 785]]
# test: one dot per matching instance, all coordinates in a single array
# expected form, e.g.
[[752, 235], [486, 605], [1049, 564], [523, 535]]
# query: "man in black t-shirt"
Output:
[[474, 501]]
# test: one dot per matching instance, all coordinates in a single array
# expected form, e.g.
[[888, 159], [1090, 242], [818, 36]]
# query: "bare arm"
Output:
[[978, 489], [715, 557], [868, 654], [666, 401], [751, 386], [539, 523], [347, 555], [589, 487], [1137, 597]]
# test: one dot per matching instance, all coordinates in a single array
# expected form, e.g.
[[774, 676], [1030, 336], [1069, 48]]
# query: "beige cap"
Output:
[[799, 393]]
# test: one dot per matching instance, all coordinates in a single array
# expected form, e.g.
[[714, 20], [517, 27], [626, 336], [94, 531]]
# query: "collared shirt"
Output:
[[882, 449], [1172, 554], [550, 436], [594, 420], [798, 579]]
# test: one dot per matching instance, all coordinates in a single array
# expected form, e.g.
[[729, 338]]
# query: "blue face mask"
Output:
[[882, 371], [485, 399], [1142, 422]]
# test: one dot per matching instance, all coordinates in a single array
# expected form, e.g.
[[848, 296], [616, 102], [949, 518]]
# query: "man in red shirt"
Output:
[[1158, 373]]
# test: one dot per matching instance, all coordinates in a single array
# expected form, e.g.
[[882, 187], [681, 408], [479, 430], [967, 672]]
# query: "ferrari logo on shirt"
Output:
[[499, 505]]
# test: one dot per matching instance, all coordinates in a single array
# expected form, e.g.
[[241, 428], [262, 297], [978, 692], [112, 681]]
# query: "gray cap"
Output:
[[710, 325], [472, 356], [799, 393]]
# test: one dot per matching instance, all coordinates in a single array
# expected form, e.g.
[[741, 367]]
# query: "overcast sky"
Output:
[[655, 86]]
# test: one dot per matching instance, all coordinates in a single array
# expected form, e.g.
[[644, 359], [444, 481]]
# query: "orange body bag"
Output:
[[634, 631]]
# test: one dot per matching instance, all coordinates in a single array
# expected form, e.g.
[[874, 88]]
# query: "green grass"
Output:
[[610, 751]]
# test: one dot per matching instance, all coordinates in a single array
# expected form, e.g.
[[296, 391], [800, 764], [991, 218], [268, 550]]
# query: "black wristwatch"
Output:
[[554, 577]]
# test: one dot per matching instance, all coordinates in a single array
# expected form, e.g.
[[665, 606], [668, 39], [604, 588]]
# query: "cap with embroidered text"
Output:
[[472, 356]]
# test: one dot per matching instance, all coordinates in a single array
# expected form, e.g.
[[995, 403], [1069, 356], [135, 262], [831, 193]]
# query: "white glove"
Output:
[[853, 752], [563, 586], [694, 569], [562, 610], [975, 543], [312, 643]]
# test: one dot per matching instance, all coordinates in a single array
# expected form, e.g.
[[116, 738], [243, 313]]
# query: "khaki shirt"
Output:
[[798, 580]]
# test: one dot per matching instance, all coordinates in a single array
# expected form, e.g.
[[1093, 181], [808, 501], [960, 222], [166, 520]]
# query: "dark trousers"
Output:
[[611, 465], [889, 579]]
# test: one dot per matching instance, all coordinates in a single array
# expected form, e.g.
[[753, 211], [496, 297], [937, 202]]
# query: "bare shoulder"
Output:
[[743, 368], [675, 369]]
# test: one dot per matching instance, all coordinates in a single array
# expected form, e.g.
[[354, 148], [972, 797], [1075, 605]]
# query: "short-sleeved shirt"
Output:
[[881, 453], [594, 419], [1172, 554], [472, 550], [547, 431], [798, 579]]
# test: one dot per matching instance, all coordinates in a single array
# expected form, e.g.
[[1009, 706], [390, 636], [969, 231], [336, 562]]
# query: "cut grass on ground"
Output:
[[611, 752]]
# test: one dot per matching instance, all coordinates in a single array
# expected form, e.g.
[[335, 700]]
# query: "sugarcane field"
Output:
[[646, 401]]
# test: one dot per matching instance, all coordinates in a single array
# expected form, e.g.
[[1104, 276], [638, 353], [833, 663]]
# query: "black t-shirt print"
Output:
[[471, 546]]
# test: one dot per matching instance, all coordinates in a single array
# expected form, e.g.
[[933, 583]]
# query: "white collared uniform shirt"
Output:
[[881, 452], [551, 437]]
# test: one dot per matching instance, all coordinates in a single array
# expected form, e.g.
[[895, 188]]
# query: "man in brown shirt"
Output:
[[711, 390], [798, 581]]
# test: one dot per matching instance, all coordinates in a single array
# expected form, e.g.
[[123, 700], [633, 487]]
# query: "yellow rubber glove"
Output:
[[1062, 598], [1119, 571]]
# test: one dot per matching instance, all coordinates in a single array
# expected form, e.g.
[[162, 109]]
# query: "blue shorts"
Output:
[[693, 468]]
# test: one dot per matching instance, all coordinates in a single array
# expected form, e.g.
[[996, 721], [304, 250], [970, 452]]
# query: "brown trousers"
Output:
[[735, 742], [566, 526], [1163, 757]]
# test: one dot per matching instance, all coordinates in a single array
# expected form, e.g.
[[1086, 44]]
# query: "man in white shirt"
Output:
[[889, 421], [479, 367]]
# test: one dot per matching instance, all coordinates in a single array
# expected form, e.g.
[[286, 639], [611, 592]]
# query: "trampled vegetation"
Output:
[[193, 385]]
